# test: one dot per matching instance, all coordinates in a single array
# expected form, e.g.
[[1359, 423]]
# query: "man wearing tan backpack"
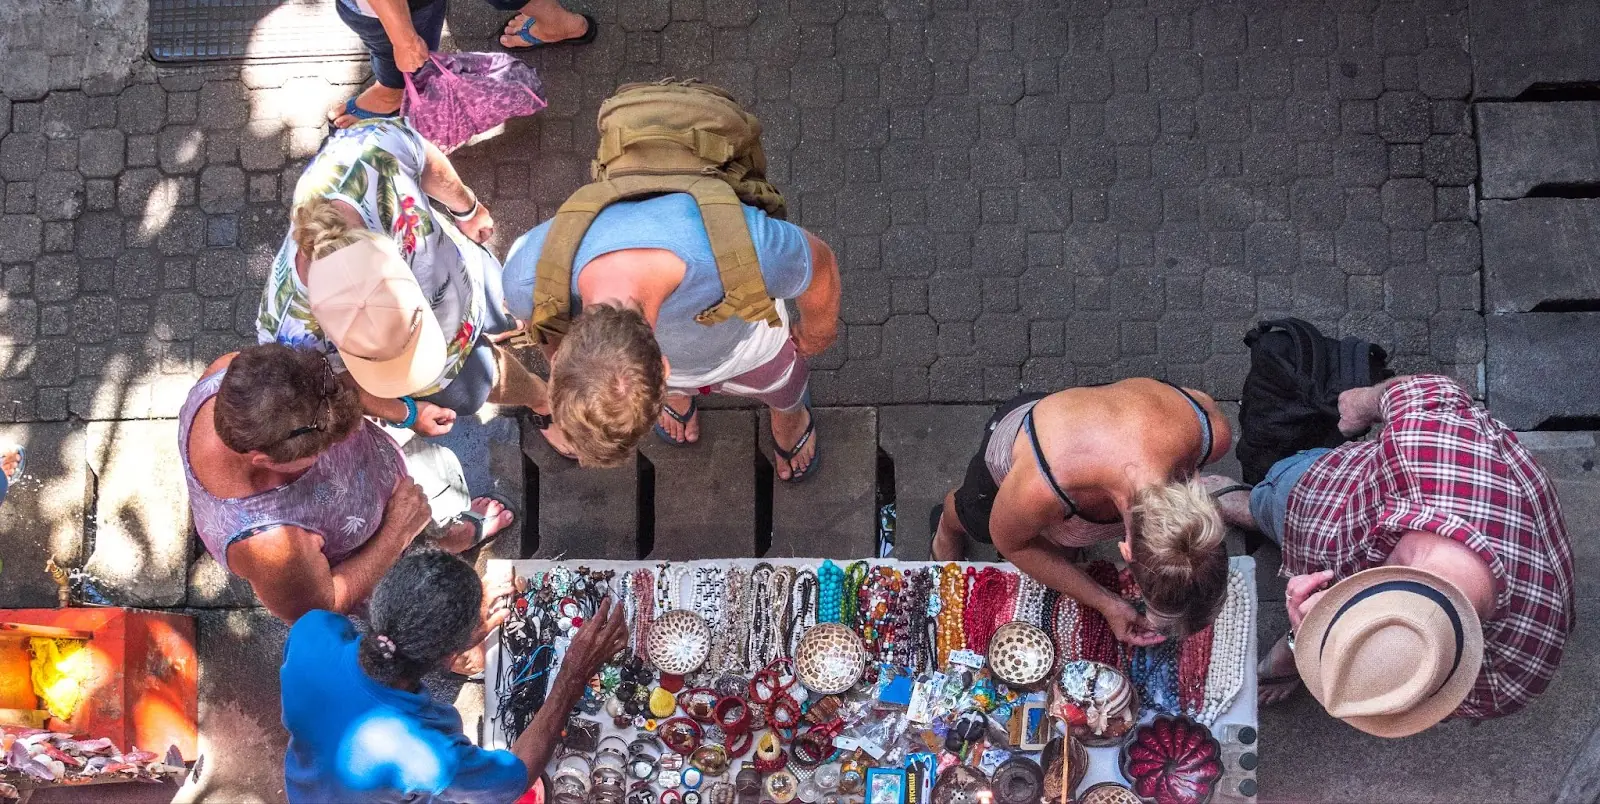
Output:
[[666, 278]]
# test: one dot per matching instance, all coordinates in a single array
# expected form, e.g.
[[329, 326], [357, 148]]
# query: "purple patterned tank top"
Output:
[[341, 497]]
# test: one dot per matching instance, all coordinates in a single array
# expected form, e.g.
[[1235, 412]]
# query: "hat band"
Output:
[[1416, 588]]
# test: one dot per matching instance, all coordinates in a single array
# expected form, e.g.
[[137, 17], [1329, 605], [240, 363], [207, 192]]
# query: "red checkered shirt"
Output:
[[1444, 466]]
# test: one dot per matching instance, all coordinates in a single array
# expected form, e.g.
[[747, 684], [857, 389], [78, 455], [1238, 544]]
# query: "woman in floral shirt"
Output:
[[380, 176]]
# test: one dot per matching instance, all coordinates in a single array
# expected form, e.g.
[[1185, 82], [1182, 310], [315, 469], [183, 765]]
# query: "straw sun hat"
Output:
[[1390, 650]]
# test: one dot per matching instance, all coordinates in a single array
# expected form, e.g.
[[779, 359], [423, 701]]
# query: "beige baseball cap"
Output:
[[369, 304]]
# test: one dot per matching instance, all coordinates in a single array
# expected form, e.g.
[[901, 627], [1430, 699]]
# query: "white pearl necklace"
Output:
[[728, 640], [1030, 602], [1230, 639]]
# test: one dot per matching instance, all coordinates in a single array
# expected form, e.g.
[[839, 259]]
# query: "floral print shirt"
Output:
[[376, 166]]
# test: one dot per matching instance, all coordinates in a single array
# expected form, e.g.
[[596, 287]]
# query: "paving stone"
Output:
[[1568, 135], [43, 513], [141, 516], [583, 513], [721, 466], [1515, 48], [242, 739], [930, 446], [835, 513], [1539, 365], [1539, 250]]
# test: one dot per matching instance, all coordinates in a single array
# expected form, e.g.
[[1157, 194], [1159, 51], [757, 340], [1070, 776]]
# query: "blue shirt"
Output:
[[354, 740], [672, 222]]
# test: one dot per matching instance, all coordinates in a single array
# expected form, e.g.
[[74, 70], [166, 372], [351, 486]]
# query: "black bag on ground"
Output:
[[1290, 400]]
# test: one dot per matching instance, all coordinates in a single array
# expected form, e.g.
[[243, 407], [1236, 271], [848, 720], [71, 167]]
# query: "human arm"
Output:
[[441, 182], [1361, 408], [286, 568], [1016, 526], [600, 638], [1302, 594], [410, 52], [432, 420], [819, 303]]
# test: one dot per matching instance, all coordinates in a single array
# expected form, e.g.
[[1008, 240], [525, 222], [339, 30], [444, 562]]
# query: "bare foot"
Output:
[[558, 441], [690, 432], [1235, 505], [10, 459], [1278, 678], [462, 535], [787, 428], [553, 28], [377, 99]]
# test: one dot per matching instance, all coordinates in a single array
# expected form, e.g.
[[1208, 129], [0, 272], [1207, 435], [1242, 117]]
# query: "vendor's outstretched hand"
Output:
[[600, 638], [1131, 627]]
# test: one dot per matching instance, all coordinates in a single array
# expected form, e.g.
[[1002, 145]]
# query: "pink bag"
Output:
[[456, 96]]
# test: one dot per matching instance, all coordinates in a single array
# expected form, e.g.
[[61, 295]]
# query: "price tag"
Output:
[[967, 658]]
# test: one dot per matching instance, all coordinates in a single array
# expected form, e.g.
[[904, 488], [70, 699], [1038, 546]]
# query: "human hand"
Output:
[[410, 52], [1358, 409], [433, 420], [479, 227], [407, 512], [812, 338], [498, 590], [1302, 594], [600, 638], [1129, 626]]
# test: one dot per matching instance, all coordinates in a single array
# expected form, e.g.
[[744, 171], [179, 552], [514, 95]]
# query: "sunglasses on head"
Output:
[[330, 389]]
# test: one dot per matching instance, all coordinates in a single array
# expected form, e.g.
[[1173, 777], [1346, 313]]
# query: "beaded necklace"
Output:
[[952, 603], [1099, 643], [1230, 641], [761, 623], [988, 606], [850, 606], [706, 595], [1030, 602], [830, 580], [643, 610], [1153, 670], [728, 642], [802, 608], [879, 598], [1194, 661], [782, 624], [912, 633]]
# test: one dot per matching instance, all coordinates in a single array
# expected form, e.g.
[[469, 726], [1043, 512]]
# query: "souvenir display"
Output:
[[829, 659], [35, 757], [1173, 761], [867, 683]]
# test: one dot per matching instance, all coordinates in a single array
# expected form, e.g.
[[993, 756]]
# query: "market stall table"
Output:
[[1233, 723]]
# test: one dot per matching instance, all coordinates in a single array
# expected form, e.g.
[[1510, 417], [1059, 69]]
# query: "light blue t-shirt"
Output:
[[672, 222], [354, 740]]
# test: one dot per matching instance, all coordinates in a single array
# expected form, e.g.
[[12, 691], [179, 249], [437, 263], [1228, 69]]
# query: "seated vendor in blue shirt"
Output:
[[362, 728]]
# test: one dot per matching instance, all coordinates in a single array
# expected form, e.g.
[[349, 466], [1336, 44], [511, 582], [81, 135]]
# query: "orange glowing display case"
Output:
[[142, 688]]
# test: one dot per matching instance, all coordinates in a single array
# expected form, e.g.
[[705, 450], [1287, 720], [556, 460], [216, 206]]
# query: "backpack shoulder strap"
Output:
[[744, 290]]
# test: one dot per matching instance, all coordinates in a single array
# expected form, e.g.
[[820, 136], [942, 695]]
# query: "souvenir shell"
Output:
[[1021, 654], [1109, 793], [680, 640], [829, 659]]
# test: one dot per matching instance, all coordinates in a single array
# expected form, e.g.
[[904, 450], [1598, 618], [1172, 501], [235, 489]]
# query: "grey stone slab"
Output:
[[833, 514], [1514, 759], [1571, 459], [930, 446], [705, 492], [1542, 366], [212, 587], [1538, 250], [583, 513], [241, 729], [1522, 146], [1518, 46], [42, 517], [141, 512]]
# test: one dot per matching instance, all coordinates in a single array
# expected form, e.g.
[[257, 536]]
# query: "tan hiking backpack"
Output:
[[669, 137]]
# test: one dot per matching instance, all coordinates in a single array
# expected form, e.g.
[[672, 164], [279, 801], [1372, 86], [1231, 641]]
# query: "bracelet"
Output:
[[411, 414], [472, 210]]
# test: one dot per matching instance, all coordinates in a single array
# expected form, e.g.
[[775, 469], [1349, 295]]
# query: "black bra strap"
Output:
[[1207, 438], [1044, 465]]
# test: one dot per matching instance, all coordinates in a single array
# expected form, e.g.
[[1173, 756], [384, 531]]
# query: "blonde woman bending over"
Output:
[[1087, 465]]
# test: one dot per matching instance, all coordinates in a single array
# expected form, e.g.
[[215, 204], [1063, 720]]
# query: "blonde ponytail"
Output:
[[1178, 555], [321, 229]]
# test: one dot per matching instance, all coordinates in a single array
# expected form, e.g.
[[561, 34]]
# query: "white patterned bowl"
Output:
[[829, 659], [680, 641], [1021, 654]]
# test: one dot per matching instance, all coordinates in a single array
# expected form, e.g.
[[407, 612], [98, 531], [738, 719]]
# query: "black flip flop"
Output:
[[479, 521], [681, 418], [787, 455]]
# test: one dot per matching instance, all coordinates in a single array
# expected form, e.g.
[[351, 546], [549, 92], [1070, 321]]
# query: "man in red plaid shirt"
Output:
[[1447, 492]]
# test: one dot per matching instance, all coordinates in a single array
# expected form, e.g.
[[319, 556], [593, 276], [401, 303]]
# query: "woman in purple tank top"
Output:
[[292, 490]]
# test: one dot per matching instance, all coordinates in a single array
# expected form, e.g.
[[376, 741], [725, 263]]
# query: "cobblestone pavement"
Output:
[[1024, 194]]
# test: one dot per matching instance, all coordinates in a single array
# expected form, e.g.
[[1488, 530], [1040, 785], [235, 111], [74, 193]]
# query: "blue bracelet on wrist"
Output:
[[411, 413]]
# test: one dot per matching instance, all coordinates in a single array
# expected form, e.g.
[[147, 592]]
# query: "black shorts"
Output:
[[975, 497]]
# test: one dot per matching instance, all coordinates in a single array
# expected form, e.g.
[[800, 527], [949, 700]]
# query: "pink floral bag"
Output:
[[456, 96]]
